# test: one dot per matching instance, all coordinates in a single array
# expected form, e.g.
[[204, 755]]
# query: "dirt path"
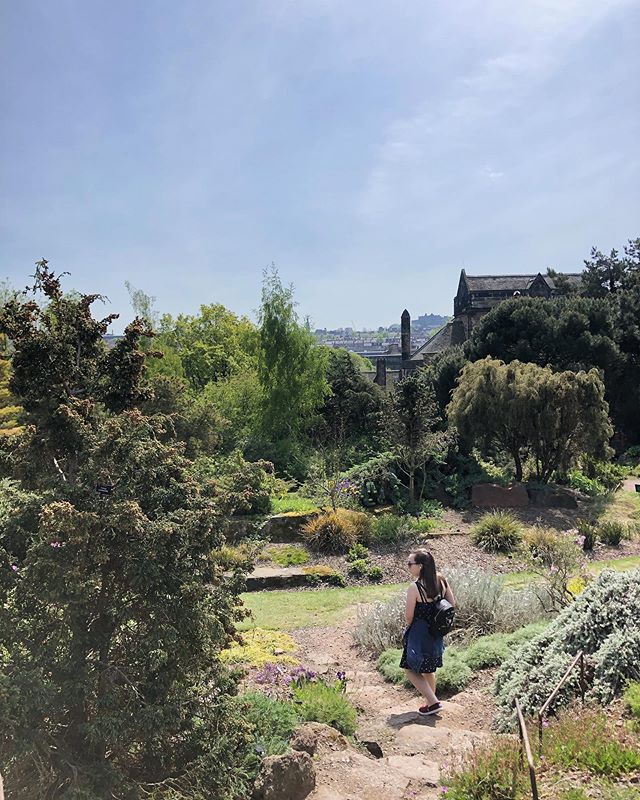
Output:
[[414, 749]]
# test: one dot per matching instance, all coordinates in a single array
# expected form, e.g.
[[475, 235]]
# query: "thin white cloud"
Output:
[[521, 45]]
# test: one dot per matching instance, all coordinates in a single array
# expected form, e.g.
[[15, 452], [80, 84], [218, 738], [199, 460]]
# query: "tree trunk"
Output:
[[518, 462]]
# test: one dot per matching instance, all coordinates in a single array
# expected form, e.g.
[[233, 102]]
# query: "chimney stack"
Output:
[[405, 335]]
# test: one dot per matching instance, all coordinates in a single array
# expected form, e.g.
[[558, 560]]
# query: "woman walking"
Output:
[[422, 652]]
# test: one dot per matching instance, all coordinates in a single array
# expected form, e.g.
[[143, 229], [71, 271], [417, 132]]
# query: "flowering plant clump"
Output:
[[276, 680], [557, 559]]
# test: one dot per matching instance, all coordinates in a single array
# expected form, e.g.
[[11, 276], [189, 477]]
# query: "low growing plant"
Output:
[[258, 647], [288, 556], [358, 551], [273, 722], [322, 573], [632, 702], [489, 772], [337, 531], [319, 701], [375, 574], [612, 532], [497, 532], [388, 530], [588, 739], [358, 568]]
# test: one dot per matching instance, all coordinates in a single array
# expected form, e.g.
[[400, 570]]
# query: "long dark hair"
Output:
[[428, 575]]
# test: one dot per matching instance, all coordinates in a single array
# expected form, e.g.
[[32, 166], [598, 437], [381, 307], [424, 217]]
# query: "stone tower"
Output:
[[405, 335]]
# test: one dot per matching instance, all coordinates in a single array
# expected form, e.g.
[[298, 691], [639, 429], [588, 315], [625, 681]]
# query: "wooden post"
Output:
[[524, 738]]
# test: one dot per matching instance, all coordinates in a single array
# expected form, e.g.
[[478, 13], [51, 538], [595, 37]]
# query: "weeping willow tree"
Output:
[[530, 411]]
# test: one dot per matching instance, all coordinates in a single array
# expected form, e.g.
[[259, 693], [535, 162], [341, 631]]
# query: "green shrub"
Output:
[[526, 633], [555, 558], [632, 701], [387, 665], [588, 739], [317, 701], [272, 721], [388, 530], [321, 573], [497, 532], [358, 568], [488, 651], [430, 508], [606, 473], [289, 556], [603, 623], [489, 772], [337, 531], [580, 482], [632, 456], [588, 532], [358, 551], [421, 525], [611, 532], [375, 574], [455, 673]]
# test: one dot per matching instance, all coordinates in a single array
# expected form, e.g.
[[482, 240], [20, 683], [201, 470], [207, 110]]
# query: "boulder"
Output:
[[285, 528], [552, 497], [490, 495], [291, 776]]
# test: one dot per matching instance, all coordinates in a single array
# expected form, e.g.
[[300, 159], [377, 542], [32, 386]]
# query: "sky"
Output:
[[369, 149]]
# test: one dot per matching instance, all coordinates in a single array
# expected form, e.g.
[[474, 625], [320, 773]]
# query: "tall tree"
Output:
[[531, 411], [115, 608], [411, 420], [291, 367]]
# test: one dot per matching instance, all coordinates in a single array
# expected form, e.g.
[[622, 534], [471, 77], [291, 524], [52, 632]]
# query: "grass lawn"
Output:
[[623, 506], [286, 610], [517, 580], [292, 502]]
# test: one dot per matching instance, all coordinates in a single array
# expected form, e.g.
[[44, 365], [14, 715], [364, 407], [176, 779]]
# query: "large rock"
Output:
[[284, 528], [291, 776], [490, 495], [553, 497]]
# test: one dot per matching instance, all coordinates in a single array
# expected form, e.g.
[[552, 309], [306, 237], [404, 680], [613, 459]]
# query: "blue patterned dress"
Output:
[[422, 652]]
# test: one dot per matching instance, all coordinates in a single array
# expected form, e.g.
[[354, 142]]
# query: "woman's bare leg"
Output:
[[430, 678], [422, 686]]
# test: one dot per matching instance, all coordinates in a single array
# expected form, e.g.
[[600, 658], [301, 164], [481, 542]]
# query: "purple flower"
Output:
[[14, 567], [55, 544]]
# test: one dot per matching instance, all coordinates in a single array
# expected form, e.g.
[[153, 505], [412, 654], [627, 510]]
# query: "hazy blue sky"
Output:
[[371, 149]]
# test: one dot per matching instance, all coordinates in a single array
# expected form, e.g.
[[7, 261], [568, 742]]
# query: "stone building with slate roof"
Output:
[[476, 296]]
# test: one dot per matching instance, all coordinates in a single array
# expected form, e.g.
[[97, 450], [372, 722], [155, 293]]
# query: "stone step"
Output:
[[276, 578]]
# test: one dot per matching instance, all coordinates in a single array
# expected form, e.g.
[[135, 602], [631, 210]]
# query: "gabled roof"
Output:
[[511, 283], [449, 335]]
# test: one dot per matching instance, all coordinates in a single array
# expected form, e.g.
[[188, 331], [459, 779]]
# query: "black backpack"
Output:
[[442, 622]]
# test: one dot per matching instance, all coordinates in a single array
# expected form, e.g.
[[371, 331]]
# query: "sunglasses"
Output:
[[411, 563]]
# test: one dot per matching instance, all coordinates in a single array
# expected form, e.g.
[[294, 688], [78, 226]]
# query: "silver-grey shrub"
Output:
[[483, 605], [603, 622]]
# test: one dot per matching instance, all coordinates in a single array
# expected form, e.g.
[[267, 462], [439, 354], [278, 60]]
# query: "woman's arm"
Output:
[[412, 596], [448, 595]]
